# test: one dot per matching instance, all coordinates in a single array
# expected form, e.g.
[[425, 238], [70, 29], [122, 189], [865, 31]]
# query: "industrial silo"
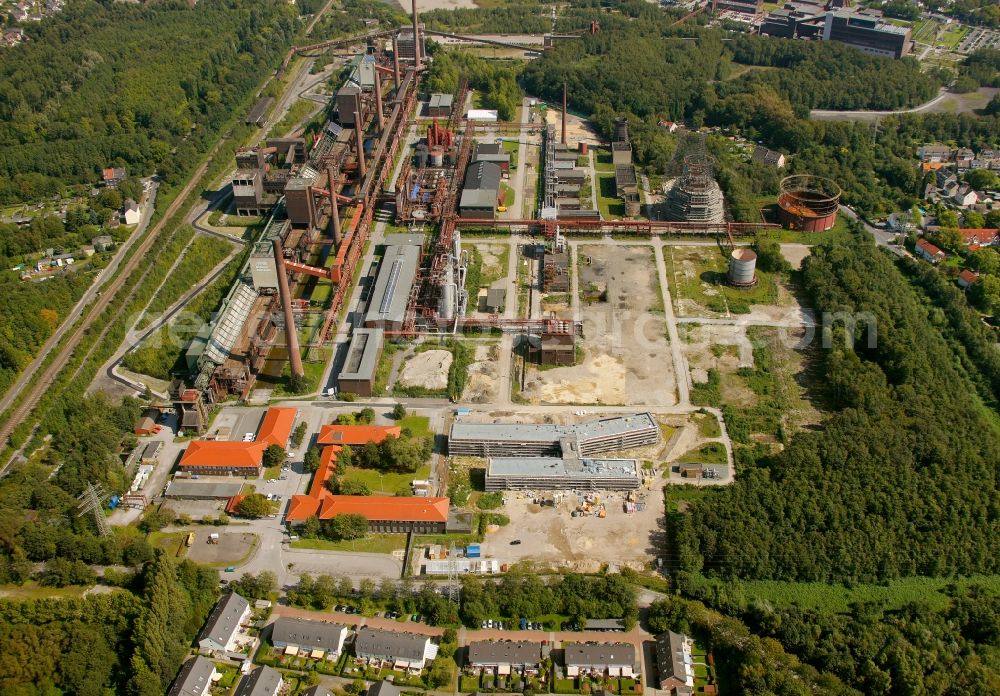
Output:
[[421, 156], [743, 268]]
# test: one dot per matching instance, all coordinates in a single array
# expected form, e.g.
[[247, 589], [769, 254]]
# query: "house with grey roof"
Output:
[[317, 691], [403, 650], [505, 656], [480, 191], [673, 661], [612, 659], [220, 630], [383, 688], [318, 638], [194, 678], [263, 681]]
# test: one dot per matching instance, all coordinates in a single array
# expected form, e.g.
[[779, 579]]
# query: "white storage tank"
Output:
[[743, 268]]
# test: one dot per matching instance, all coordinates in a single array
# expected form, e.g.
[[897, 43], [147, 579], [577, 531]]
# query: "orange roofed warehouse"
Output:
[[384, 514], [222, 457]]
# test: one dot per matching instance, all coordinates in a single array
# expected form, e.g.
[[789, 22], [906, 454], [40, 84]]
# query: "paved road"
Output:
[[681, 373], [835, 115], [93, 291], [882, 237]]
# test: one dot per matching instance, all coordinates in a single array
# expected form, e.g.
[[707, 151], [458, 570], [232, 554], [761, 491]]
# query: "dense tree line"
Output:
[[144, 86], [879, 650], [903, 467], [497, 82], [518, 595], [128, 642]]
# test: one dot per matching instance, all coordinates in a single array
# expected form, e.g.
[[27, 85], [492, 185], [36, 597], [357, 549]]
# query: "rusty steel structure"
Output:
[[642, 228]]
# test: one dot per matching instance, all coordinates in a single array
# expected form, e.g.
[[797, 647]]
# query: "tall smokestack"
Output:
[[395, 61], [564, 115], [416, 37], [291, 335], [360, 132], [378, 103], [335, 232]]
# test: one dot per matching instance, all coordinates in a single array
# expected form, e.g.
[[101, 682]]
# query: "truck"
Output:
[[190, 539]]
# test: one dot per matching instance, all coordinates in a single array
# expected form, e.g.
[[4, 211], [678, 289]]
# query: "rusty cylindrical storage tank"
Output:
[[742, 268], [583, 148], [808, 203]]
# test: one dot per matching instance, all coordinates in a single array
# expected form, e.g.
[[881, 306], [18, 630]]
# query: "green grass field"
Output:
[[373, 543], [814, 595], [708, 285], [607, 202], [385, 483], [417, 425]]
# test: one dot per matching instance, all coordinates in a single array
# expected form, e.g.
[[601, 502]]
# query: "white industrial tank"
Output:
[[742, 268]]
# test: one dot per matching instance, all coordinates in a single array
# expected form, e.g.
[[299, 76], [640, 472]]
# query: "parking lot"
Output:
[[230, 547]]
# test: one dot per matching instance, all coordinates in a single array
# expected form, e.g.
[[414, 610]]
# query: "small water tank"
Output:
[[742, 268], [583, 147]]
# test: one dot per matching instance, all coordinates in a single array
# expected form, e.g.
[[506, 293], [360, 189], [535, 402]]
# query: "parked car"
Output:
[[515, 542]]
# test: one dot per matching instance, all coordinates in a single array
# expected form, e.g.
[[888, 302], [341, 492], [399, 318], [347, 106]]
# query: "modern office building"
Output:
[[553, 473]]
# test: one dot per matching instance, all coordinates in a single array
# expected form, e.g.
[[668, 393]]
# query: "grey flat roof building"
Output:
[[387, 307], [317, 691], [551, 473], [605, 625], [194, 678], [363, 355], [390, 645], [223, 622], [308, 635], [492, 653], [263, 681], [585, 439]]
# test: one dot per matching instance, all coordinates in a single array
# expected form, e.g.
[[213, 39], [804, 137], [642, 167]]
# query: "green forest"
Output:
[[141, 86], [888, 484]]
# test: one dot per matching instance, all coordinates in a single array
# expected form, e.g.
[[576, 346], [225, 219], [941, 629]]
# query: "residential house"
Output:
[[263, 681], [934, 153], [967, 278], [103, 242], [965, 196], [963, 158], [505, 656], [980, 236], [318, 638], [317, 691], [929, 252], [669, 125], [131, 213], [408, 651], [763, 155], [612, 659], [673, 661], [112, 176], [220, 630], [194, 679], [383, 688]]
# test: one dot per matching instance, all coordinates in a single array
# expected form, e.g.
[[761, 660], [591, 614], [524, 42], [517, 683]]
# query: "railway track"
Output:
[[44, 380]]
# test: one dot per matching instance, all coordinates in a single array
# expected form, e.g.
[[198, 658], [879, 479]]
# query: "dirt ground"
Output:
[[426, 5], [428, 370], [482, 381], [724, 348], [795, 254], [231, 548], [626, 356], [550, 537], [577, 128]]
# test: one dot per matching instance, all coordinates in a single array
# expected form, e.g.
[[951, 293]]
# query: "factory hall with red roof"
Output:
[[384, 514]]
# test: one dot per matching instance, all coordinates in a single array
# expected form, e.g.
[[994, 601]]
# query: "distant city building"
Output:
[[861, 28]]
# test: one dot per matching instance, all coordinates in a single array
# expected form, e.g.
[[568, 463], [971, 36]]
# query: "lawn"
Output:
[[953, 35], [386, 483], [373, 543], [298, 111], [272, 472], [508, 195], [708, 425], [712, 453], [469, 684], [418, 426], [708, 285], [511, 147], [32, 590], [814, 595], [607, 202], [603, 161]]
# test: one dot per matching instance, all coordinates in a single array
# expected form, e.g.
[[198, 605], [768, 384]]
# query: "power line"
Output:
[[92, 501]]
